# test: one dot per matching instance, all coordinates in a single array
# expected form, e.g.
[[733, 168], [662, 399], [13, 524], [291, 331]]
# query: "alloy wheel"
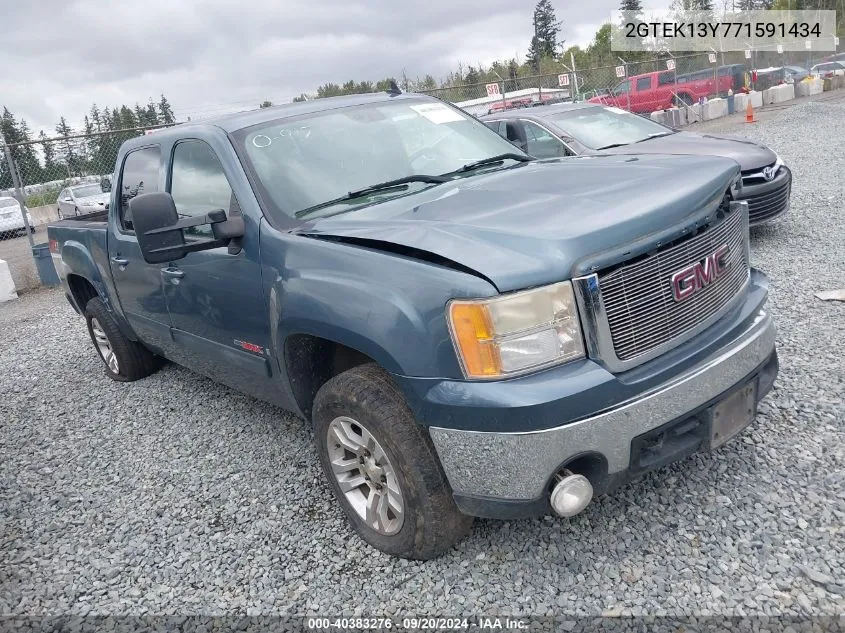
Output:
[[365, 475], [104, 346]]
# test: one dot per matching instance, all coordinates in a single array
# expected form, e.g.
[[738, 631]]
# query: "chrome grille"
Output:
[[641, 311]]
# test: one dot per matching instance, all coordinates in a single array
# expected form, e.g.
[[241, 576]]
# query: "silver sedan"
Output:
[[82, 200]]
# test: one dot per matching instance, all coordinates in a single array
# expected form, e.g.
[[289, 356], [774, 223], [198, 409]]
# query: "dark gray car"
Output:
[[573, 129]]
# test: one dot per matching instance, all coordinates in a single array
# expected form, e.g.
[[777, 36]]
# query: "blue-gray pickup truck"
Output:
[[470, 331]]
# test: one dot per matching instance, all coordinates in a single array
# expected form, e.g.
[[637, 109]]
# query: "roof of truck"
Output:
[[240, 120]]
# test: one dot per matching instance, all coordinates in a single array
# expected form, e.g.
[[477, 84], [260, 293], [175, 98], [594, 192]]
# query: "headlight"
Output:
[[516, 333]]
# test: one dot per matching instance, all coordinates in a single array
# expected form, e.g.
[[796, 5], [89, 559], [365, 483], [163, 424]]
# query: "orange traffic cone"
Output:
[[749, 111]]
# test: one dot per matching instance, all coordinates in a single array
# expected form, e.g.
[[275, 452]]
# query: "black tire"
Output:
[[682, 99], [133, 360], [432, 523]]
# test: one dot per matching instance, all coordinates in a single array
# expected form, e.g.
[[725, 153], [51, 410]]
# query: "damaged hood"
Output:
[[543, 221]]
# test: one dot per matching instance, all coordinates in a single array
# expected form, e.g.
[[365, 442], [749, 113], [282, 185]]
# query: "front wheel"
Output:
[[382, 466], [125, 360]]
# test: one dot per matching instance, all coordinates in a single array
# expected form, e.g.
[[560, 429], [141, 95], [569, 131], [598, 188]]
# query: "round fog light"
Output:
[[571, 495]]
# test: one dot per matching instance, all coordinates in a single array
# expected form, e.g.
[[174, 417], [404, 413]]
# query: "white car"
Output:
[[11, 220], [81, 200], [828, 69]]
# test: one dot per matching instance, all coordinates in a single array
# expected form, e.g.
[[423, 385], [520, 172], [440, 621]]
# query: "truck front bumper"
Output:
[[509, 474]]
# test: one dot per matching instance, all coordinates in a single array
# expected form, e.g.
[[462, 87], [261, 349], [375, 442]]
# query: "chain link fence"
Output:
[[635, 84], [47, 180]]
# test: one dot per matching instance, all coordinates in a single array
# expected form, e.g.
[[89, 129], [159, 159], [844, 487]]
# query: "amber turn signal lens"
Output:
[[473, 332]]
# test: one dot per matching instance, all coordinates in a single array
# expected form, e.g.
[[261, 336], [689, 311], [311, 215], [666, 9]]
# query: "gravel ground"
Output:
[[175, 495]]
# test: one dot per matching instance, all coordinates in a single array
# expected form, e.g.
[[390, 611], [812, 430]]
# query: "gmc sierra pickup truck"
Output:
[[470, 332]]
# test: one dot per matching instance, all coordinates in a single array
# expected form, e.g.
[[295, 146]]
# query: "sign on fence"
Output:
[[620, 71], [712, 58], [836, 42], [808, 44], [670, 64], [563, 80], [747, 53], [780, 48], [493, 90]]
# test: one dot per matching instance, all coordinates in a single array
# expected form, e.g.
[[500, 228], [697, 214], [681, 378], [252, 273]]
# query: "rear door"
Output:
[[138, 284]]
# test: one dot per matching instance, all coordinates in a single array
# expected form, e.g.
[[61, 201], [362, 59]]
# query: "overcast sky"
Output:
[[217, 56]]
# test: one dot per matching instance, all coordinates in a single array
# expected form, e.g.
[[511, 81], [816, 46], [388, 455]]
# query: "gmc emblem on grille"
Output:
[[687, 281]]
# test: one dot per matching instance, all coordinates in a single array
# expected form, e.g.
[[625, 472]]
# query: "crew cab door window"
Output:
[[198, 184], [643, 83], [139, 175]]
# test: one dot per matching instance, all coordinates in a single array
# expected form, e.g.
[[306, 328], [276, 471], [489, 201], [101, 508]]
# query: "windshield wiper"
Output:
[[612, 145], [492, 160], [654, 135], [377, 188]]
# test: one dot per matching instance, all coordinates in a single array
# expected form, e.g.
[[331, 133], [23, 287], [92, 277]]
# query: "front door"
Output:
[[215, 297], [138, 284]]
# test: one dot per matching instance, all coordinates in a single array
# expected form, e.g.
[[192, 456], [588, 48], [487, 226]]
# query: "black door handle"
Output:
[[172, 272]]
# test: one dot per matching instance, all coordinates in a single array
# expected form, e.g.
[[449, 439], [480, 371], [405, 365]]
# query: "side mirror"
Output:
[[160, 231], [105, 184], [154, 219]]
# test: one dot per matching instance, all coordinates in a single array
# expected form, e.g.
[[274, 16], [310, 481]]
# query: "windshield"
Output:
[[597, 127], [8, 202], [302, 162], [87, 191]]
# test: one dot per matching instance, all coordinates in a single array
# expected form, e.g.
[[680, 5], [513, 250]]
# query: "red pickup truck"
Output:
[[661, 90]]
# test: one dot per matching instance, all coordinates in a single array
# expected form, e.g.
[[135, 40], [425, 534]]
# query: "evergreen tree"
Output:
[[635, 6], [152, 114], [66, 149], [265, 104], [546, 31], [472, 76], [49, 154], [165, 112], [95, 118]]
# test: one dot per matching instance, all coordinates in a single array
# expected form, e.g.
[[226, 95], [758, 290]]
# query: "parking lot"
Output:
[[177, 495]]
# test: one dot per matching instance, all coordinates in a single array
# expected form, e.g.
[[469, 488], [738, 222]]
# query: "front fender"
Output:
[[387, 306]]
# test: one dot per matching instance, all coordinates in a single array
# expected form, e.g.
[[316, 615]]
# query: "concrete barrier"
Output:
[[785, 92], [7, 285], [779, 94], [43, 215], [756, 99], [809, 86], [659, 116], [715, 109], [693, 113]]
